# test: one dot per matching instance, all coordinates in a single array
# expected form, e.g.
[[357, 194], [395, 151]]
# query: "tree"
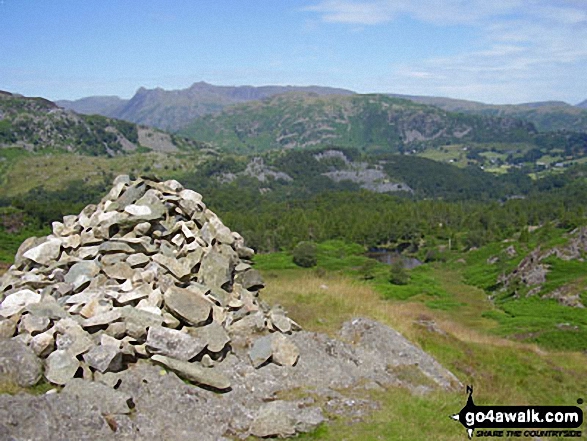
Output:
[[304, 255]]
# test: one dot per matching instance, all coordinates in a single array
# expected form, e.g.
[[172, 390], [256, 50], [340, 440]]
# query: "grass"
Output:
[[55, 171], [514, 353], [7, 387], [503, 371]]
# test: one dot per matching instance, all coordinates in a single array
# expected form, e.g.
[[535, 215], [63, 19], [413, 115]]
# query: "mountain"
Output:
[[546, 116], [40, 125], [372, 122], [582, 104], [94, 105], [174, 109]]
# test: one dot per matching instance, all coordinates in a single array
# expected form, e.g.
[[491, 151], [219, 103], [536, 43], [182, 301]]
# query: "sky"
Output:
[[493, 51]]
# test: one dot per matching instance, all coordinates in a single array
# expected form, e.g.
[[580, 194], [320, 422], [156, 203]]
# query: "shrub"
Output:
[[304, 255], [398, 275]]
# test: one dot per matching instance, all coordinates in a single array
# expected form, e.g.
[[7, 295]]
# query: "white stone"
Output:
[[16, 302], [44, 253], [138, 210]]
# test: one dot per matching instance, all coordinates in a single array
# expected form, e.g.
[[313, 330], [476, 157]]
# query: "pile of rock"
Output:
[[148, 273]]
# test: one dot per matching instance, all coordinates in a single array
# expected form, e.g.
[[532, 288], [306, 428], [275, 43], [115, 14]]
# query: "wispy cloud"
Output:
[[381, 11], [522, 44]]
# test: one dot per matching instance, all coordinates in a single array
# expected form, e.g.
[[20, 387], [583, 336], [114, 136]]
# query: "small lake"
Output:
[[391, 257]]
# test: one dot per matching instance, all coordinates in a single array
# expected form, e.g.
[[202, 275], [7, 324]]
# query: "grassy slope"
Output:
[[503, 371], [371, 122], [23, 171]]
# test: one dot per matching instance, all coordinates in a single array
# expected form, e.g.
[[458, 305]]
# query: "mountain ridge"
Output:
[[172, 109], [37, 124]]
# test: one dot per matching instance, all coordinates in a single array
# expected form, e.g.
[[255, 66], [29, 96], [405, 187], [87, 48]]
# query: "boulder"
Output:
[[172, 343], [284, 351], [284, 419], [60, 367], [45, 253], [194, 373], [16, 302], [19, 364], [261, 351], [104, 358], [188, 305]]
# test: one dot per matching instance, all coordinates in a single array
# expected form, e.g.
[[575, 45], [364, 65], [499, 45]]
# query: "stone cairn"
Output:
[[148, 273]]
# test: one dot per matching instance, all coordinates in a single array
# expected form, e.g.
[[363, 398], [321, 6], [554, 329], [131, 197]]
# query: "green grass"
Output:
[[563, 272], [54, 172], [503, 372]]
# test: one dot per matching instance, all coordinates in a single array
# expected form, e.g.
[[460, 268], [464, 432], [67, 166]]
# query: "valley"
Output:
[[494, 207]]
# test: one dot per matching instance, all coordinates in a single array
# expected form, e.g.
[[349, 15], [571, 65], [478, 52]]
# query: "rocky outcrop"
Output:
[[148, 272], [532, 271], [148, 288]]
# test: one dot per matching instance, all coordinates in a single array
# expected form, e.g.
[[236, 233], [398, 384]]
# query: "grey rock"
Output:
[[19, 364], [116, 329], [131, 195], [137, 260], [43, 344], [261, 351], [119, 271], [103, 319], [95, 307], [194, 373], [188, 306], [112, 246], [81, 273], [113, 259], [108, 400], [280, 322], [47, 308], [214, 335], [138, 321], [60, 367], [178, 268], [138, 293], [104, 358], [7, 328], [44, 253], [216, 270], [90, 252], [16, 302], [175, 344], [28, 244], [285, 352], [75, 341], [31, 324], [284, 419], [250, 279], [393, 349], [51, 418], [142, 228]]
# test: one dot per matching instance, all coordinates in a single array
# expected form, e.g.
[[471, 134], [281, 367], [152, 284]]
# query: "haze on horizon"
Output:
[[503, 51]]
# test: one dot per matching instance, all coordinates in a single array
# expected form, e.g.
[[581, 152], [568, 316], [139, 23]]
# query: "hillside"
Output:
[[174, 109], [93, 105], [546, 116], [371, 122], [39, 125]]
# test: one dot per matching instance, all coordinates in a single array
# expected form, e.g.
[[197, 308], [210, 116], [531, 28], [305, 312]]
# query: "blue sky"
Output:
[[495, 51]]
